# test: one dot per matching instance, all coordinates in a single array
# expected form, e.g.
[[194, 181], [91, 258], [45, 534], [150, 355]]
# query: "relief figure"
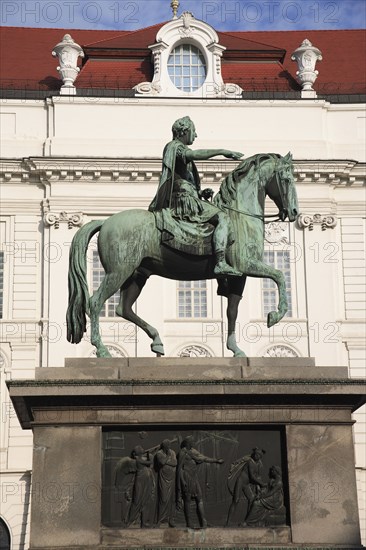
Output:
[[245, 478], [143, 489], [188, 483], [166, 465], [269, 503]]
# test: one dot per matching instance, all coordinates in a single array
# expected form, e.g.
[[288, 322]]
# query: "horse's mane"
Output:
[[228, 190]]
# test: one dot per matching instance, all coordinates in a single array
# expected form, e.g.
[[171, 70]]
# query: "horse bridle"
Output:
[[280, 189]]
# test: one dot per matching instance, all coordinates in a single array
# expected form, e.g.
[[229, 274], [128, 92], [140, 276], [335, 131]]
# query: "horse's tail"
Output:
[[78, 284]]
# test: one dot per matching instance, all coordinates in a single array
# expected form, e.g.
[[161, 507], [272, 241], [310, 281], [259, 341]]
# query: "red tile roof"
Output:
[[259, 76], [114, 74], [26, 55], [342, 69], [258, 60]]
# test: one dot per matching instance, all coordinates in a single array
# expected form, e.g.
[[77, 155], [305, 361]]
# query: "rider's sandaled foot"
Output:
[[222, 269]]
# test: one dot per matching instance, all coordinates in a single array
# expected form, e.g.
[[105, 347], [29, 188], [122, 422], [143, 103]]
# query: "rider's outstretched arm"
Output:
[[205, 154]]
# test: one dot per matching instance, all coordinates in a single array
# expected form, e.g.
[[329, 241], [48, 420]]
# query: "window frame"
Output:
[[191, 290], [271, 289], [287, 242], [108, 304], [200, 83]]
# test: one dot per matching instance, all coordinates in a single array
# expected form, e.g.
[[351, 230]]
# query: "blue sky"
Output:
[[245, 15]]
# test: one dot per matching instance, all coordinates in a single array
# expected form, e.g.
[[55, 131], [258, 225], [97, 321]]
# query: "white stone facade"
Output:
[[68, 160]]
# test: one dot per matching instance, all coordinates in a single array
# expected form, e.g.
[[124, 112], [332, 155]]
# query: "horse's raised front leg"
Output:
[[110, 284], [124, 309], [262, 270], [236, 287]]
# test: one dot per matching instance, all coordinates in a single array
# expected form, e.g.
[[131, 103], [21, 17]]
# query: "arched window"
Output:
[[187, 68], [4, 536], [187, 60]]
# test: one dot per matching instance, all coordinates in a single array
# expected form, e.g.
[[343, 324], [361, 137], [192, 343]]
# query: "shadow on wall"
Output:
[[26, 478]]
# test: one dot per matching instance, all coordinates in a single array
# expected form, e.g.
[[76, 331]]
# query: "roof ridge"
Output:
[[300, 30], [248, 40], [129, 33], [68, 30], [165, 22]]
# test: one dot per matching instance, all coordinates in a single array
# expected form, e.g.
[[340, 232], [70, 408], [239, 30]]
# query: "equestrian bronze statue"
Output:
[[183, 236]]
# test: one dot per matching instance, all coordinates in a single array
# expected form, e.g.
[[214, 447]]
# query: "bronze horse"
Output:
[[130, 249]]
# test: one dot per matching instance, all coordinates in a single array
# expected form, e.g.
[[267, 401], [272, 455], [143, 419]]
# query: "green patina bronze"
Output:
[[185, 237], [185, 215]]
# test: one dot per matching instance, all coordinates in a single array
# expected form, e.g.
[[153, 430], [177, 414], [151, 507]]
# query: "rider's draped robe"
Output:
[[181, 214], [180, 185]]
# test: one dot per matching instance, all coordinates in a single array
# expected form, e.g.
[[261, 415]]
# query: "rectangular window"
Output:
[[192, 299], [109, 308], [279, 259], [1, 284]]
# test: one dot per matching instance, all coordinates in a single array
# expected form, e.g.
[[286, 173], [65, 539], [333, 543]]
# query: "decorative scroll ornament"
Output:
[[148, 88], [229, 90], [275, 233], [194, 351], [115, 351], [306, 57], [326, 222], [280, 351], [68, 53], [76, 219]]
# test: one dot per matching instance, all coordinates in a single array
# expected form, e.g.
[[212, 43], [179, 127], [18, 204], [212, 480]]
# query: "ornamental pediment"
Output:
[[187, 62]]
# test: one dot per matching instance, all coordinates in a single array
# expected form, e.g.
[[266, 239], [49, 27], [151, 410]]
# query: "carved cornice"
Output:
[[306, 221], [49, 170], [333, 172]]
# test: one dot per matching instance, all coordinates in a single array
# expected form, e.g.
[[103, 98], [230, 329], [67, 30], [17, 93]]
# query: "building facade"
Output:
[[77, 150]]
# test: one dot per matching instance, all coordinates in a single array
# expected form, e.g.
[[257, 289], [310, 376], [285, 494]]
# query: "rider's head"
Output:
[[184, 127]]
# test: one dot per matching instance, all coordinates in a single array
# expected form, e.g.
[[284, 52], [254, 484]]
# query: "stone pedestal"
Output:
[[89, 414]]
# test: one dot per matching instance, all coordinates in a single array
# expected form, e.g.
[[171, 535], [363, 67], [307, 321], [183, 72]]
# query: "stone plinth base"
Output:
[[90, 414], [193, 538]]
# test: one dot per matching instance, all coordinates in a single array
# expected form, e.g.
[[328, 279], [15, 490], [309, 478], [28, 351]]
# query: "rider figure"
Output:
[[180, 190]]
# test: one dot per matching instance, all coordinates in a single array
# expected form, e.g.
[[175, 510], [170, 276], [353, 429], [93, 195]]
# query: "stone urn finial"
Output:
[[68, 53], [306, 57]]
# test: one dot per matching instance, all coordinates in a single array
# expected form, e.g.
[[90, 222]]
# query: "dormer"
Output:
[[187, 62]]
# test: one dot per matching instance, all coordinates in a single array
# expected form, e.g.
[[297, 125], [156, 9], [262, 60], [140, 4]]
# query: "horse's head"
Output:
[[281, 188]]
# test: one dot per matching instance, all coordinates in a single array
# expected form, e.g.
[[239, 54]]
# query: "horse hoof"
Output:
[[158, 349], [239, 353], [272, 319]]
